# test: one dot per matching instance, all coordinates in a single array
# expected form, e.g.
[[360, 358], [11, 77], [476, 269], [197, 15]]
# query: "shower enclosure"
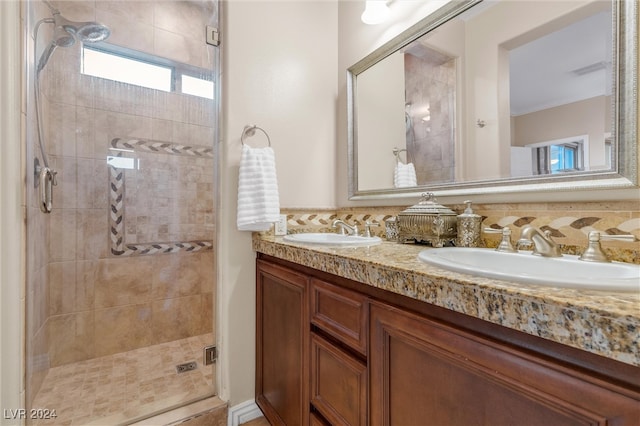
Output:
[[122, 118], [430, 82]]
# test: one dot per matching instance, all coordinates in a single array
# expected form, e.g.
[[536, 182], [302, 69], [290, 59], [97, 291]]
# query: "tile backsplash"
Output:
[[569, 223]]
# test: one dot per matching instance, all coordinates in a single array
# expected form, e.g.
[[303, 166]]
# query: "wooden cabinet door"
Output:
[[424, 372], [338, 384], [282, 345]]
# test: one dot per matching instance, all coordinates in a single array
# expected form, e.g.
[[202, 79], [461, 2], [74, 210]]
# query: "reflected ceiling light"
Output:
[[375, 12]]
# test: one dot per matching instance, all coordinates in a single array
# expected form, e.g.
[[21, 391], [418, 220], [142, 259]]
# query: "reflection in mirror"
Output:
[[559, 87], [503, 92]]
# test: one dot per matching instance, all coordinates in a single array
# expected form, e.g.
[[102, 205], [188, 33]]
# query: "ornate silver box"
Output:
[[427, 222]]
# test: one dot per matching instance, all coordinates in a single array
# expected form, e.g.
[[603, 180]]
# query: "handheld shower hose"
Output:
[[65, 34]]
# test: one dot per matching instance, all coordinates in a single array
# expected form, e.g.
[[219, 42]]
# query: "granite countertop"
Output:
[[604, 323]]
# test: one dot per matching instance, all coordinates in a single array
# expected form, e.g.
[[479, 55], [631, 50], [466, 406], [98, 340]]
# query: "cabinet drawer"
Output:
[[341, 313], [338, 384]]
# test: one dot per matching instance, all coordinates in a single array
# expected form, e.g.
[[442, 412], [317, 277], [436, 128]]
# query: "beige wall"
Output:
[[380, 96], [575, 119], [11, 214], [280, 73]]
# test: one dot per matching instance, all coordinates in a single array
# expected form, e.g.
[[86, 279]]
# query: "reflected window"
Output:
[[559, 158]]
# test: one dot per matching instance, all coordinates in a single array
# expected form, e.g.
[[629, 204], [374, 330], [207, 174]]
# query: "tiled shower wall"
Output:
[[430, 87], [110, 275]]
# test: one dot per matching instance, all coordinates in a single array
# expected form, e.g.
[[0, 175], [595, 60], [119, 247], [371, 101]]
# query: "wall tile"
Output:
[[138, 11], [76, 10], [176, 318], [123, 328], [177, 47], [126, 28], [92, 234], [62, 284], [86, 273], [62, 243], [123, 281], [61, 135], [110, 124], [187, 18], [86, 133], [178, 275], [65, 193], [207, 318], [71, 337]]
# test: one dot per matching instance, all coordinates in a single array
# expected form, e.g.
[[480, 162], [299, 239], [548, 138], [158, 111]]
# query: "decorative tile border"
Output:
[[116, 198], [568, 226], [160, 147], [558, 226]]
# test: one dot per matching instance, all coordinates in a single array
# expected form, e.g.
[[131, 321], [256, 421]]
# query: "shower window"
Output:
[[118, 68], [197, 86], [144, 70]]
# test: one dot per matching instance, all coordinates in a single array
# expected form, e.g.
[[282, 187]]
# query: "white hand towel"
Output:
[[258, 200], [404, 175]]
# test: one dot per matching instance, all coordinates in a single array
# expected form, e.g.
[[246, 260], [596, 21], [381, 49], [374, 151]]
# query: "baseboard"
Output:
[[243, 412]]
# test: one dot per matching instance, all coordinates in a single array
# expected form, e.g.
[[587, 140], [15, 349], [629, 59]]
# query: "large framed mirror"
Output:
[[499, 96]]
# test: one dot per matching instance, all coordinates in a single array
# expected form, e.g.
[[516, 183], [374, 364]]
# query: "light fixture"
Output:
[[375, 12]]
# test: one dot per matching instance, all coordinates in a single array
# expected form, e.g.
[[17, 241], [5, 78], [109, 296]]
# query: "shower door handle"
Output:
[[46, 178]]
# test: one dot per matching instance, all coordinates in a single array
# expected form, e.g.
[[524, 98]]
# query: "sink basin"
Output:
[[329, 239], [566, 271]]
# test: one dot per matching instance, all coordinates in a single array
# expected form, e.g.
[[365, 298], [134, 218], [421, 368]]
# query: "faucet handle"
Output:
[[367, 228], [594, 252], [505, 244]]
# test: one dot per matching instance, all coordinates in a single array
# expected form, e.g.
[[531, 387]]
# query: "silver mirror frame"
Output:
[[625, 171]]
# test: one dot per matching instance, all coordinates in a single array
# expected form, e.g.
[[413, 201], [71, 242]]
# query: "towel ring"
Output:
[[250, 131], [397, 151]]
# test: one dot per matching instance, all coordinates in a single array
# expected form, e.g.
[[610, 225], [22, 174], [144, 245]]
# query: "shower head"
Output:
[[62, 37], [66, 32], [90, 32]]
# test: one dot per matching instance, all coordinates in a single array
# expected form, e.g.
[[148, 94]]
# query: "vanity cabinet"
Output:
[[339, 320], [282, 344], [338, 384], [427, 372], [334, 351]]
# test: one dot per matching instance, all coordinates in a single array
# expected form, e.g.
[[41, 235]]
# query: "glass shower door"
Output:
[[121, 272]]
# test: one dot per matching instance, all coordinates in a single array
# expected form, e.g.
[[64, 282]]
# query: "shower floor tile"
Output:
[[125, 386]]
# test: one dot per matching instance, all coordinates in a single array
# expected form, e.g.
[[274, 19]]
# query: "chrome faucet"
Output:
[[542, 242], [345, 228]]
